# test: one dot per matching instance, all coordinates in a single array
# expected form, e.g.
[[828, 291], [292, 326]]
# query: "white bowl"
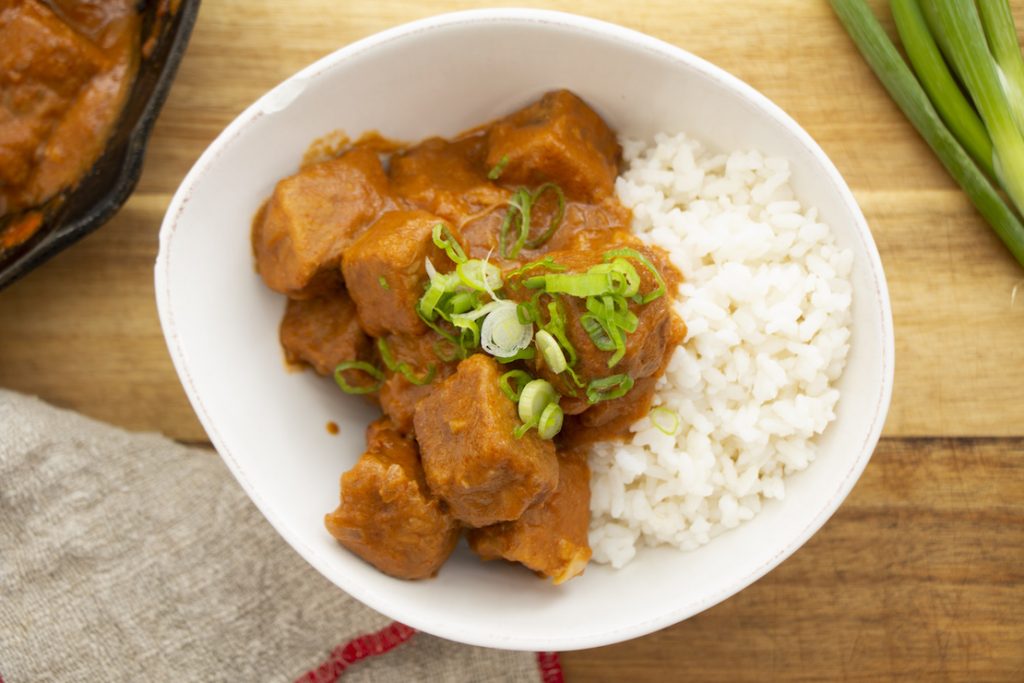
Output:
[[441, 76]]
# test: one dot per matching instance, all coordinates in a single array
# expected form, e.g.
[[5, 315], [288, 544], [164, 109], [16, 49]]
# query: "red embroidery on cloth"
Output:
[[550, 667], [369, 645]]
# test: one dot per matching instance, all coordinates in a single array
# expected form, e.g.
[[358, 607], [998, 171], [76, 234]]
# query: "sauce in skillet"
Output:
[[65, 70]]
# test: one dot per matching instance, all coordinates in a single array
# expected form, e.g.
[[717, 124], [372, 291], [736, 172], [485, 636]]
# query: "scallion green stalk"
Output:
[[960, 23], [897, 78], [1002, 39], [938, 82]]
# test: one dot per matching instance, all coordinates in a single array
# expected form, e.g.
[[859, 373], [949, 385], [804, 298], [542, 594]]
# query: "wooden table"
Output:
[[920, 574]]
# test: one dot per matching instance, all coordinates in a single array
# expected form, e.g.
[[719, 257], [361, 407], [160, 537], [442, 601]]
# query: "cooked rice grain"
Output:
[[766, 299]]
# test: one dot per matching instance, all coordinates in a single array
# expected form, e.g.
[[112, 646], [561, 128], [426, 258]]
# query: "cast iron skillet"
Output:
[[75, 213]]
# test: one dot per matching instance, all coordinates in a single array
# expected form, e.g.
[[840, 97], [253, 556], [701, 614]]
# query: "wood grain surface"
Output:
[[919, 576]]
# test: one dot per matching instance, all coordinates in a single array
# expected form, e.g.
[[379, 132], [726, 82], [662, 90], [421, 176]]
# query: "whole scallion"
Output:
[[904, 88], [1002, 39], [938, 82], [968, 50]]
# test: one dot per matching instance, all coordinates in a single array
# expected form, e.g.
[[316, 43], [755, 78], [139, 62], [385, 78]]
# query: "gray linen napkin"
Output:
[[128, 557]]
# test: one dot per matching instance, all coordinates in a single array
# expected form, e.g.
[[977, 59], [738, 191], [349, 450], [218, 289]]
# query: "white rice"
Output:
[[766, 299]]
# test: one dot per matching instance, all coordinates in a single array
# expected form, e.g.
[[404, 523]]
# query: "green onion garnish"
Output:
[[619, 278], [428, 302], [479, 274], [444, 239], [556, 220], [646, 263], [410, 375], [534, 397], [625, 279], [526, 354], [552, 354], [573, 284], [469, 331], [556, 328], [517, 222], [550, 422], [460, 351], [498, 168], [596, 330], [446, 354], [546, 262], [382, 281], [520, 431], [362, 366], [515, 228], [607, 388], [520, 377], [402, 367], [527, 312], [461, 302], [501, 334], [538, 407], [664, 420]]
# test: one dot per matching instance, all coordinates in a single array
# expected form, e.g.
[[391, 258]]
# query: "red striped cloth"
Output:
[[387, 639]]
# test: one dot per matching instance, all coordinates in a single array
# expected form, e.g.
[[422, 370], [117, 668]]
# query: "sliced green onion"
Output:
[[481, 311], [664, 420], [404, 368], [498, 168], [556, 220], [362, 366], [480, 275], [444, 239], [516, 225], [535, 396], [630, 277], [461, 302], [452, 353], [597, 332], [502, 334], [573, 284], [383, 282], [526, 354], [607, 388], [515, 228], [575, 379], [619, 278], [385, 355], [527, 312], [934, 75], [550, 422], [447, 336], [646, 263], [546, 262], [878, 50], [428, 302], [428, 265], [556, 328], [520, 377], [552, 354], [521, 430], [469, 331]]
